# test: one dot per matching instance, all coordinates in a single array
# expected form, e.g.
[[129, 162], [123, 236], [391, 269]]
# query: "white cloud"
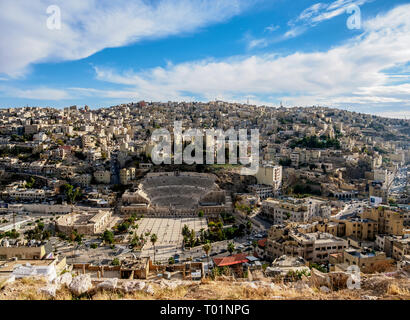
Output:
[[42, 93], [402, 114], [357, 73], [352, 73], [89, 26], [258, 43], [272, 28]]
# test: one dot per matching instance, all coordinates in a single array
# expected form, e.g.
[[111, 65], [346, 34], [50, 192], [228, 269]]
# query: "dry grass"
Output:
[[28, 289], [395, 289]]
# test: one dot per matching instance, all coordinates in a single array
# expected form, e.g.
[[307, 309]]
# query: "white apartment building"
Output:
[[28, 194], [261, 190], [281, 211], [294, 210]]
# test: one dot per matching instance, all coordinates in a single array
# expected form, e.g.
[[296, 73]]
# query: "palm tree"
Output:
[[202, 234], [207, 248], [231, 247], [154, 239]]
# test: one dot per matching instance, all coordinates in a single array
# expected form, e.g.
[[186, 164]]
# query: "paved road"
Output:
[[351, 209], [399, 183]]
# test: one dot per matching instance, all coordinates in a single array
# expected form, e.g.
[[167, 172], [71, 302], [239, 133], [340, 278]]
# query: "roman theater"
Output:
[[177, 194]]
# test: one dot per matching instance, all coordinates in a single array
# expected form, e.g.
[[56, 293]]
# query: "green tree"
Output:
[[13, 234], [71, 193], [154, 239], [185, 230], [46, 235], [108, 237], [31, 183], [207, 248], [231, 247]]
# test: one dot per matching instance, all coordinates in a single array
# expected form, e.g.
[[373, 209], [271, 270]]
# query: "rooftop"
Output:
[[9, 266], [231, 260]]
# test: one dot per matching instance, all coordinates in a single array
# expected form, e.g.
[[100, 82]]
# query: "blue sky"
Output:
[[300, 53]]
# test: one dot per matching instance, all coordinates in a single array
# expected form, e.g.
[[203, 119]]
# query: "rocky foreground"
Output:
[[318, 286]]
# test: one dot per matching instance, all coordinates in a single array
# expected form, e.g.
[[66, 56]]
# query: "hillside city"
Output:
[[84, 206]]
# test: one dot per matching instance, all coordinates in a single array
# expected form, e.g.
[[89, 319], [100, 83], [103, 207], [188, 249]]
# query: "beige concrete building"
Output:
[[334, 228], [364, 229], [365, 260], [31, 129], [379, 190], [33, 253], [102, 176], [389, 221], [313, 247], [127, 175], [86, 223], [83, 180], [270, 175], [400, 249]]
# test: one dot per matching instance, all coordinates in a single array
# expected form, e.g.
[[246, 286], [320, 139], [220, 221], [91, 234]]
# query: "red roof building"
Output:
[[231, 260]]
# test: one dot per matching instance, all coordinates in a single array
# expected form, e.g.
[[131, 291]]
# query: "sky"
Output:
[[350, 54]]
